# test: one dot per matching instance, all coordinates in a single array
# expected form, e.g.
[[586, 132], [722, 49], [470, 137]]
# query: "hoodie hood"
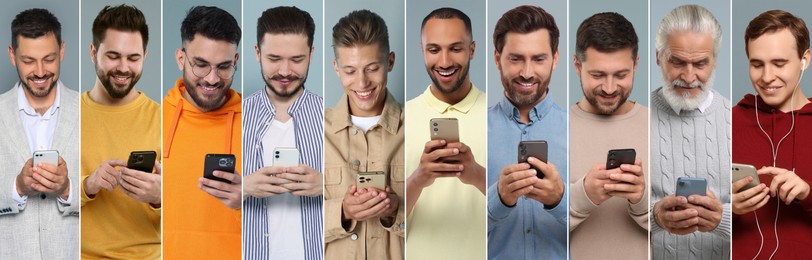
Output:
[[175, 102], [749, 102]]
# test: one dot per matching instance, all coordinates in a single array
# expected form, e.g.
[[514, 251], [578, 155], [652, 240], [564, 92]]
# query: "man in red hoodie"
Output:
[[201, 116], [770, 132]]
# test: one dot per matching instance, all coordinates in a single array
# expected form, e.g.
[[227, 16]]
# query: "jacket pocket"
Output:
[[397, 179], [332, 182]]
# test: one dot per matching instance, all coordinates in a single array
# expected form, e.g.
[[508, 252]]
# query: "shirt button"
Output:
[[354, 131], [42, 196], [356, 162], [528, 231], [354, 236], [524, 132], [266, 235], [402, 226], [256, 146]]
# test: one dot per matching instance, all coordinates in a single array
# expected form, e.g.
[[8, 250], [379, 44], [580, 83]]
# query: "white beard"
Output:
[[684, 101]]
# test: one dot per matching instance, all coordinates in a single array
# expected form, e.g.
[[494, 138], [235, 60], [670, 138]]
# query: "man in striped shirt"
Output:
[[283, 201]]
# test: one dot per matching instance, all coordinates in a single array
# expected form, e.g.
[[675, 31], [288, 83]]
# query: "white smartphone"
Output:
[[741, 171], [46, 156], [286, 157]]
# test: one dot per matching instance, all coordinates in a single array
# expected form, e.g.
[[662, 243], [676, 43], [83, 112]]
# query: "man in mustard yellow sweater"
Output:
[[121, 207]]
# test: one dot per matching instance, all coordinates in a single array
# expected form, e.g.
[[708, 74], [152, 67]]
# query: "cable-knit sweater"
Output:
[[691, 144]]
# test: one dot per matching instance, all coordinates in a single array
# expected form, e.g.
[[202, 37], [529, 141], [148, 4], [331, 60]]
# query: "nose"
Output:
[[123, 65], [609, 86], [213, 77], [363, 79], [284, 69], [445, 60], [689, 74], [768, 74], [527, 71], [40, 70]]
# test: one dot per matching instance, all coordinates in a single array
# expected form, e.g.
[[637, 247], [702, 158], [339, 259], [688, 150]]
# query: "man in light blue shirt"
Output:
[[527, 215]]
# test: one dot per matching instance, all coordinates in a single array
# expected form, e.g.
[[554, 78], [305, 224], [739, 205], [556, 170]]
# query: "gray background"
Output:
[[745, 11], [66, 12], [719, 9], [150, 82], [558, 81], [174, 12], [417, 77], [253, 10], [392, 14], [635, 11]]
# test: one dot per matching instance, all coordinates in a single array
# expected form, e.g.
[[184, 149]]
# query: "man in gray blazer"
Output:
[[39, 204]]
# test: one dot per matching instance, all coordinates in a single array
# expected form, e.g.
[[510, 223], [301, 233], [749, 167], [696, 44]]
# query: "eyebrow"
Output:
[[46, 56], [201, 60], [604, 72], [439, 46], [118, 53], [367, 65], [271, 55], [534, 56]]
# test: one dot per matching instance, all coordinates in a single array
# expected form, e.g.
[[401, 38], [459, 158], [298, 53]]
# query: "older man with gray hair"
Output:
[[690, 138]]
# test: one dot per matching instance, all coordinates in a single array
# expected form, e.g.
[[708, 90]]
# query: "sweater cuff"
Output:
[[725, 226], [580, 202], [655, 228], [85, 198], [497, 210]]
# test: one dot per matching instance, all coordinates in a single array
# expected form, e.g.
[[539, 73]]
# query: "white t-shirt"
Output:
[[284, 210], [364, 122]]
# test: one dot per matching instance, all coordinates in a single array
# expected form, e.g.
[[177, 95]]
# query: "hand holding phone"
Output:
[[534, 148], [142, 161], [617, 157], [219, 162], [221, 181], [747, 195]]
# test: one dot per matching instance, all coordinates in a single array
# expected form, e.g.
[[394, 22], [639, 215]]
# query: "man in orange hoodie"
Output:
[[202, 115]]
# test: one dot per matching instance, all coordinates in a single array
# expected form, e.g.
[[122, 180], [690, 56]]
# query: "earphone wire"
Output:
[[775, 158]]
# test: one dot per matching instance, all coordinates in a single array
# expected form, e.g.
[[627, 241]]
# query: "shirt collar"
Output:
[[536, 113], [463, 106], [390, 116], [702, 107], [293, 107], [23, 105]]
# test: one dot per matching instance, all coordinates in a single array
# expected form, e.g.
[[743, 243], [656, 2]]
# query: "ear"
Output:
[[805, 58], [93, 53], [311, 54], [391, 61], [473, 47], [335, 67], [555, 59], [497, 58], [236, 58], [11, 56], [636, 61], [657, 57], [577, 65], [62, 51], [256, 50], [179, 57]]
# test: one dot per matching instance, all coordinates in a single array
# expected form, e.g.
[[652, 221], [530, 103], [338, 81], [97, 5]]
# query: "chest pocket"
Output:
[[333, 180], [397, 179]]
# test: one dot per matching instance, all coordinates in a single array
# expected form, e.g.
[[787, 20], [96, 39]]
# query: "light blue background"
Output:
[[150, 82], [558, 80], [67, 13], [719, 9], [745, 11], [635, 11], [392, 14], [416, 76], [253, 10], [174, 13]]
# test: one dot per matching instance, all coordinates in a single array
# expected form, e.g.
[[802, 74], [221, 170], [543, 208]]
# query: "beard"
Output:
[[117, 91], [684, 101], [606, 108], [522, 97], [34, 92], [215, 102], [455, 85], [289, 93]]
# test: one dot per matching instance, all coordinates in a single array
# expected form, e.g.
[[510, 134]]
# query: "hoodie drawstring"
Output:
[[173, 128], [229, 128]]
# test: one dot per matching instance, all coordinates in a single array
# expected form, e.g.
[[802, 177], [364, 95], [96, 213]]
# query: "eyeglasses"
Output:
[[224, 71]]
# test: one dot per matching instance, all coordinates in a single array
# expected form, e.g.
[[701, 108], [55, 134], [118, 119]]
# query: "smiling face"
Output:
[[687, 69], [119, 61], [37, 61], [285, 61], [363, 72], [775, 67], [207, 92], [525, 66], [447, 50], [606, 79]]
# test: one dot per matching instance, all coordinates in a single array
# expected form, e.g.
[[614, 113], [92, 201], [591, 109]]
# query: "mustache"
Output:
[[684, 84], [523, 80], [289, 77], [35, 77], [121, 73], [216, 85]]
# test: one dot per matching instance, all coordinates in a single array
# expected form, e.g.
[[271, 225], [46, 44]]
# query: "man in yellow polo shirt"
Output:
[[445, 200]]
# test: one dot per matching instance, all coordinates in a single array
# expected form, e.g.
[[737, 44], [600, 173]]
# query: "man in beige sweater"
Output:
[[608, 208]]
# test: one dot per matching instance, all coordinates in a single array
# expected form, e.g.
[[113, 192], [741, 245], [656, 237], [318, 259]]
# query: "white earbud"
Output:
[[803, 65]]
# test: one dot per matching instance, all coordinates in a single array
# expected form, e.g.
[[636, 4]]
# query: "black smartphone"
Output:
[[142, 161], [220, 162], [534, 148], [616, 157]]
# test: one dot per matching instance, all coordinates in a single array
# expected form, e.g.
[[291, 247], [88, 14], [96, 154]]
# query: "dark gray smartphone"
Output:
[[534, 148], [142, 161], [616, 157], [445, 128], [691, 186], [220, 162]]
